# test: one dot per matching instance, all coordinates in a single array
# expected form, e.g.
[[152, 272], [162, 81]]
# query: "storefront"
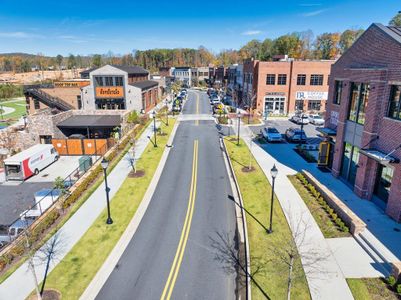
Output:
[[274, 103], [312, 101]]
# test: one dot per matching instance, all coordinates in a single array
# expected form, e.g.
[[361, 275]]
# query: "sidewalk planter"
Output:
[[355, 224]]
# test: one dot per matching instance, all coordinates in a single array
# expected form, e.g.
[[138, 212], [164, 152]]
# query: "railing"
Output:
[[49, 100], [47, 201]]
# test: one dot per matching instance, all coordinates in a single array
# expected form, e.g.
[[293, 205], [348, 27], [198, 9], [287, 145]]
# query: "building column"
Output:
[[365, 177], [394, 200]]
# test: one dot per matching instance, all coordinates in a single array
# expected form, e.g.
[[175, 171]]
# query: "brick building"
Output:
[[364, 111], [287, 86]]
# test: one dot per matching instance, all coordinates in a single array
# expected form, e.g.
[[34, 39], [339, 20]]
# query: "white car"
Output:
[[316, 120], [300, 119], [271, 134]]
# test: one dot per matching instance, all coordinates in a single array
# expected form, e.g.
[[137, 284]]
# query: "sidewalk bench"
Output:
[[355, 224]]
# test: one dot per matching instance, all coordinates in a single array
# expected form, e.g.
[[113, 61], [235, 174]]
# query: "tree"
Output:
[[59, 60], [327, 45], [71, 61], [289, 44], [266, 50], [396, 20], [348, 37], [97, 60], [251, 50]]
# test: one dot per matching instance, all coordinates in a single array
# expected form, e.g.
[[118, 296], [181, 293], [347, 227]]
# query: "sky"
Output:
[[89, 27]]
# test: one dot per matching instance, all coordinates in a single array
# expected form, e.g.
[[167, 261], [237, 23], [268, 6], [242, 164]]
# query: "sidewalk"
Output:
[[20, 284], [325, 278]]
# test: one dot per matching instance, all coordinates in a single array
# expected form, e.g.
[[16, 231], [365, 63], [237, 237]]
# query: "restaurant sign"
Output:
[[311, 95], [110, 92]]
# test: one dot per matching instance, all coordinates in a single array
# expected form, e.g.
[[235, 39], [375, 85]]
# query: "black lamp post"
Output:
[[154, 128], [239, 124], [105, 164], [302, 129], [273, 172]]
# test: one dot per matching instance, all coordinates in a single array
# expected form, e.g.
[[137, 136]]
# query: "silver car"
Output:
[[271, 134]]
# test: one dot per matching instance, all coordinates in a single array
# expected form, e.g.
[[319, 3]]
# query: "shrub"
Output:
[[345, 229], [330, 211], [334, 217], [391, 280], [398, 289]]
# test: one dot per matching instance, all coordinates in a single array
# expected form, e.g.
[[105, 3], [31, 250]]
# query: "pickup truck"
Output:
[[11, 233]]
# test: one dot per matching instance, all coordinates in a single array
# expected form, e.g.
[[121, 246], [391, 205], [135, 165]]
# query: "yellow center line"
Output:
[[175, 268]]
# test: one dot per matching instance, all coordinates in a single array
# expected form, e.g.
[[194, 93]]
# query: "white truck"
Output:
[[43, 200], [29, 162], [11, 233]]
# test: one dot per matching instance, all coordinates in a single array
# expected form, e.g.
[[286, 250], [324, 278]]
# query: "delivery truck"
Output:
[[43, 200], [29, 162]]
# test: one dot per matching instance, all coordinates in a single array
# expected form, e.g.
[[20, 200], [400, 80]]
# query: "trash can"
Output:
[[85, 162]]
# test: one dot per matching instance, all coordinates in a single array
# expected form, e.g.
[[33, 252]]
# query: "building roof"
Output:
[[182, 68], [146, 84], [128, 69], [393, 31], [85, 121]]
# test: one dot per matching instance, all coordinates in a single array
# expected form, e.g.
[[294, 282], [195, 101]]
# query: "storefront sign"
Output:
[[110, 92], [70, 84], [311, 95], [275, 94], [334, 117]]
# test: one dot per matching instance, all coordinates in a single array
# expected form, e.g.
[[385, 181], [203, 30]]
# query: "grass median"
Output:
[[370, 289], [19, 107], [74, 273], [271, 272]]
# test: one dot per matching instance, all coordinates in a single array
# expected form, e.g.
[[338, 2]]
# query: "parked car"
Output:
[[295, 135], [177, 105], [316, 119], [11, 233], [300, 119], [271, 134]]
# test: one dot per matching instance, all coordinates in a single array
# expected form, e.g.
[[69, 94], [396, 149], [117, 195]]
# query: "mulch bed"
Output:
[[306, 158], [247, 170], [137, 174], [47, 295]]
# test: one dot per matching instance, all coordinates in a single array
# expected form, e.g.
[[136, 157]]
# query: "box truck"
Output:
[[29, 162], [43, 200]]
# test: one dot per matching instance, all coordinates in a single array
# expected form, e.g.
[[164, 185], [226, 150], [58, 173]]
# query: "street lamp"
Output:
[[166, 112], [153, 115], [273, 173], [105, 164], [239, 124], [302, 129]]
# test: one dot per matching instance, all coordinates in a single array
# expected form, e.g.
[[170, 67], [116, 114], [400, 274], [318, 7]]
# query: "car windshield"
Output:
[[317, 117], [272, 130]]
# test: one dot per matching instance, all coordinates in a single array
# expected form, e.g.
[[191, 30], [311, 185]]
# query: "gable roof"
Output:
[[144, 85], [129, 69], [392, 31]]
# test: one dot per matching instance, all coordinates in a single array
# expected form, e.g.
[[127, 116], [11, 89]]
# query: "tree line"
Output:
[[298, 45]]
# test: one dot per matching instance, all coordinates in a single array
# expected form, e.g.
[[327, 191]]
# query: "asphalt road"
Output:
[[172, 254]]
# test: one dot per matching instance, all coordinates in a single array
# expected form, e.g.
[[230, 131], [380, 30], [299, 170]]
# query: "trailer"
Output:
[[43, 200], [29, 162]]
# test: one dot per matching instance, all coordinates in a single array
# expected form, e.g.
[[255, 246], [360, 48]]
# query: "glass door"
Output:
[[383, 182]]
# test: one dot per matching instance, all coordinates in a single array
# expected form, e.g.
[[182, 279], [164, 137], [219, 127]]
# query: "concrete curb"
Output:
[[241, 217], [108, 266]]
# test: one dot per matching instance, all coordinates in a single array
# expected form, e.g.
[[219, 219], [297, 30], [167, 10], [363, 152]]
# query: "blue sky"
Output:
[[87, 27]]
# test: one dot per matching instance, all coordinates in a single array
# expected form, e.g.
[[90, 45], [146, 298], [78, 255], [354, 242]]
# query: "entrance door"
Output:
[[350, 161], [383, 182]]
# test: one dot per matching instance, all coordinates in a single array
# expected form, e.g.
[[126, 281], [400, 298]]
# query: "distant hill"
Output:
[[20, 54]]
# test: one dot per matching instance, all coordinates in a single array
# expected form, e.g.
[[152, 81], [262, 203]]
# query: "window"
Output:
[[270, 79], [79, 102], [99, 80], [395, 102], [314, 105], [299, 105], [316, 79], [282, 79], [119, 81], [338, 89], [301, 79], [384, 178], [36, 104], [109, 81], [350, 161], [359, 101]]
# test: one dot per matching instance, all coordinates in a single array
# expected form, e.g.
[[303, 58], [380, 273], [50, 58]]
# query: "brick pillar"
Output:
[[365, 177], [394, 203]]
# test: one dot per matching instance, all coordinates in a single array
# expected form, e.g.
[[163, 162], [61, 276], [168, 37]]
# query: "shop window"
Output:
[[270, 79], [349, 166], [301, 79], [314, 105], [316, 79], [282, 79], [395, 102], [383, 182], [338, 89], [119, 81], [99, 80], [299, 105], [109, 81], [358, 102]]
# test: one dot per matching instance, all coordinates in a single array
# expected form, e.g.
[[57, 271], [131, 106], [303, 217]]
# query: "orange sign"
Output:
[[110, 92], [70, 84]]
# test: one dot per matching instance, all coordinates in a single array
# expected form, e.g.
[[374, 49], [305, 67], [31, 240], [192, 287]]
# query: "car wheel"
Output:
[[36, 172]]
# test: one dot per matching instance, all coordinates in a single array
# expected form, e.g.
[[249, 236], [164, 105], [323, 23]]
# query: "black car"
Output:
[[295, 135]]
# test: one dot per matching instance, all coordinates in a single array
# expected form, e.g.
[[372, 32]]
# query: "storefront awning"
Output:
[[91, 121], [327, 131], [379, 156]]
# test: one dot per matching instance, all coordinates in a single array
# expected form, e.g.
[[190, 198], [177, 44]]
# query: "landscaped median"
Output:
[[269, 268], [74, 273]]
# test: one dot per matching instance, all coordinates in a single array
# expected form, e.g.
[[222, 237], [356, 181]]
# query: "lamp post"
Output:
[[105, 164], [166, 112], [239, 124], [154, 128], [273, 172], [302, 129]]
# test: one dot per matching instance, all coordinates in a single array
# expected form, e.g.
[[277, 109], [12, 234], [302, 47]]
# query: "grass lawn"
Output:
[[256, 191], [370, 289], [20, 110], [74, 273], [328, 227]]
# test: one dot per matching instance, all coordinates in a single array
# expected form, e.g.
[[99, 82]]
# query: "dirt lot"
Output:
[[31, 77]]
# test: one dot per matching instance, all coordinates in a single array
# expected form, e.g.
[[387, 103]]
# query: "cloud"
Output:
[[20, 35], [251, 32], [314, 13]]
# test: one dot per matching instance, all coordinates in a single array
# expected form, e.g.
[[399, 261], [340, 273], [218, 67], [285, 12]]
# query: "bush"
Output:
[[345, 229], [398, 289], [391, 280], [133, 118], [334, 217]]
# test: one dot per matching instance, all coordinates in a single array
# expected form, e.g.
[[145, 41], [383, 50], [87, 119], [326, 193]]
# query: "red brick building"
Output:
[[364, 108], [284, 87]]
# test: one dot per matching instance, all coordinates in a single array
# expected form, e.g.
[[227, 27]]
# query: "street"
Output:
[[173, 253]]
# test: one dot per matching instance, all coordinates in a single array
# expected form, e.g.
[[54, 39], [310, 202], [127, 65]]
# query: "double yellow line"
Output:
[[175, 268]]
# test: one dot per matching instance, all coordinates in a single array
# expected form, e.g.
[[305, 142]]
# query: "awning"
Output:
[[327, 131], [379, 156], [91, 121]]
